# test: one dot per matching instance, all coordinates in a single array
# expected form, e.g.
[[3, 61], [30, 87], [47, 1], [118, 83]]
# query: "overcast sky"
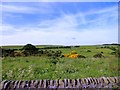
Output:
[[61, 23]]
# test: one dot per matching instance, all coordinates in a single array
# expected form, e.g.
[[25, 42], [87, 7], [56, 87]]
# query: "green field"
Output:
[[20, 46], [40, 67]]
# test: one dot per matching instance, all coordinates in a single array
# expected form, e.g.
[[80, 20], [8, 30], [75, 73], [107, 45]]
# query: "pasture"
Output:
[[41, 67]]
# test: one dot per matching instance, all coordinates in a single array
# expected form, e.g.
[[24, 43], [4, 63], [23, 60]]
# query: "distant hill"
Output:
[[112, 44]]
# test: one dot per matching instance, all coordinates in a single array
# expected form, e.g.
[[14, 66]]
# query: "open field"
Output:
[[20, 46], [41, 67]]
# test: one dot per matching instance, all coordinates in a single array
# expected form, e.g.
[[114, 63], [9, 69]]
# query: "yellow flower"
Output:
[[66, 55], [74, 56]]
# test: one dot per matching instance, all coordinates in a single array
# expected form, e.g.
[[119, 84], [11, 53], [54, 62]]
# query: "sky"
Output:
[[59, 23]]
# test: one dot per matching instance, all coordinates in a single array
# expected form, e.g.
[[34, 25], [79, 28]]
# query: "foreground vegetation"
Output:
[[27, 68], [43, 67]]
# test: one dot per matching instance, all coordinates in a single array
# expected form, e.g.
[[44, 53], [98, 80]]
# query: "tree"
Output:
[[29, 49]]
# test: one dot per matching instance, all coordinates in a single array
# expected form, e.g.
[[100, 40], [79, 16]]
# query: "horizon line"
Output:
[[60, 44]]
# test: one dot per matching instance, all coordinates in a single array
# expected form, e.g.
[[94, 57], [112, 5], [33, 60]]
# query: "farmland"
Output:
[[42, 67]]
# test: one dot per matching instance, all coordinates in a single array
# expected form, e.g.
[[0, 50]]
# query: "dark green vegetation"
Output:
[[50, 63]]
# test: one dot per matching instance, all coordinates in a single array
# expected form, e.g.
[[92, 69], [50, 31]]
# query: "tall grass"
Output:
[[35, 67]]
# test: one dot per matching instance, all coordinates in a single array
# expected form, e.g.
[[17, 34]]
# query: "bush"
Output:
[[58, 53], [81, 56], [7, 52], [54, 59], [73, 52], [88, 50], [29, 49], [113, 53], [117, 52], [102, 52], [113, 48], [99, 55]]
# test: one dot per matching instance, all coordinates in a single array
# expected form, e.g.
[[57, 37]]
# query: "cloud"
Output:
[[105, 10], [26, 9], [67, 29], [62, 37]]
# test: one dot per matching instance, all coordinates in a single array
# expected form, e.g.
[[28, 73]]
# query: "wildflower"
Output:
[[74, 56], [66, 55]]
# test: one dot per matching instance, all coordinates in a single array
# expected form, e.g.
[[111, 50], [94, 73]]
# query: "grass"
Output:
[[12, 47], [27, 68], [20, 46], [36, 67]]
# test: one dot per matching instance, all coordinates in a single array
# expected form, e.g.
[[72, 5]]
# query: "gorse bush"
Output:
[[73, 54]]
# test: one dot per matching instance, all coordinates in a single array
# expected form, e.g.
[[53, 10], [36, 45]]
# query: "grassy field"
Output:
[[40, 67], [20, 46], [12, 47]]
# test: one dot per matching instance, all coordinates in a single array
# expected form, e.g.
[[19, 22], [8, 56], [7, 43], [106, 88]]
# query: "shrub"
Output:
[[81, 56], [58, 53], [19, 54], [117, 52], [40, 52], [113, 53], [88, 50], [29, 49], [73, 52], [54, 59], [99, 55], [102, 52], [7, 52], [112, 48]]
